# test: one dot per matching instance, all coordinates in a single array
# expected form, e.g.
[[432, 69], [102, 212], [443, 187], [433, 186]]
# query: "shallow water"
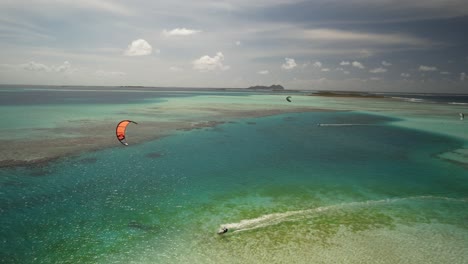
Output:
[[283, 185]]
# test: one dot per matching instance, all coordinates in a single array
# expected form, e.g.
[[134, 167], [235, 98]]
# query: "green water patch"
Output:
[[279, 176], [321, 224]]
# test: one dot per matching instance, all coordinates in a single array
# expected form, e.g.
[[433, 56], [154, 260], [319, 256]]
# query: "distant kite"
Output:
[[121, 129], [288, 98]]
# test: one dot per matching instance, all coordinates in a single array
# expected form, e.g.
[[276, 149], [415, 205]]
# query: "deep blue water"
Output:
[[54, 95]]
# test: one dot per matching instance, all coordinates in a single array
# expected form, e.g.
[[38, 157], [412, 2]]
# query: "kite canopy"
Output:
[[288, 98], [121, 129]]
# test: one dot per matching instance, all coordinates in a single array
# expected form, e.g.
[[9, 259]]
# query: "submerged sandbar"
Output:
[[155, 120]]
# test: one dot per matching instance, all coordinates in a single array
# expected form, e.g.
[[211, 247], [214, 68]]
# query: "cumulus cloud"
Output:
[[358, 65], [386, 63], [289, 64], [344, 63], [264, 72], [445, 73], [462, 76], [139, 47], [317, 64], [180, 32], [66, 66], [342, 70], [34, 66], [238, 43], [325, 69], [378, 70], [425, 68], [207, 63]]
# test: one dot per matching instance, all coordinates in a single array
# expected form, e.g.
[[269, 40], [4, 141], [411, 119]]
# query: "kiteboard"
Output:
[[222, 230]]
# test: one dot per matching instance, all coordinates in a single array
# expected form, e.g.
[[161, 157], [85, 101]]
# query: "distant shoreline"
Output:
[[342, 93]]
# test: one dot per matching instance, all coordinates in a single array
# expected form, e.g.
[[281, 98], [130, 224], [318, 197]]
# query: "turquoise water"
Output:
[[281, 183]]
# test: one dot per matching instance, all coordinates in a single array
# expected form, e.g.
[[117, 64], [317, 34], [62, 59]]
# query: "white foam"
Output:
[[414, 100], [320, 124], [276, 218]]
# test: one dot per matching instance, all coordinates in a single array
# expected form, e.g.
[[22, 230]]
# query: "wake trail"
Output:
[[276, 218]]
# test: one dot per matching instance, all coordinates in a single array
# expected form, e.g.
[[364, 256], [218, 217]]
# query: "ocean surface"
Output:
[[358, 183]]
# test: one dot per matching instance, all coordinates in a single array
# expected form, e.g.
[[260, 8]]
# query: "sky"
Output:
[[360, 45]]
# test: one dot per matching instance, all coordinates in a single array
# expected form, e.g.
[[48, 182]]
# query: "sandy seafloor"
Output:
[[317, 180]]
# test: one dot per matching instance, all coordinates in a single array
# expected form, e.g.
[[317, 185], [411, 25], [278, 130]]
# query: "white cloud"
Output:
[[264, 72], [34, 66], [445, 73], [139, 47], [405, 75], [180, 32], [358, 65], [375, 78], [378, 70], [344, 63], [64, 67], [424, 68], [317, 64], [342, 70], [386, 63], [238, 43], [325, 69], [38, 67], [289, 64], [462, 76], [207, 63]]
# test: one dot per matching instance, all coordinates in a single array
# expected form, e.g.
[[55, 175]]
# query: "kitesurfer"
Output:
[[120, 130], [462, 116], [222, 230]]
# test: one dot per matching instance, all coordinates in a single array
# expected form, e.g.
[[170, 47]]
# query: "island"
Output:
[[274, 87]]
